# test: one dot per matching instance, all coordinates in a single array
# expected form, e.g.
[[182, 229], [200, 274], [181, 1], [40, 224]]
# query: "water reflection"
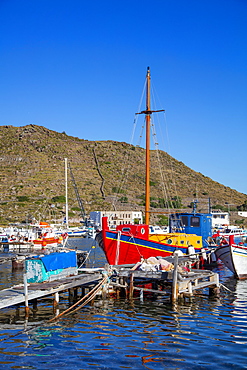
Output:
[[121, 333], [238, 312]]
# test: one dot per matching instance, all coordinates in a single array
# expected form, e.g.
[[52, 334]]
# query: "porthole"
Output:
[[126, 229]]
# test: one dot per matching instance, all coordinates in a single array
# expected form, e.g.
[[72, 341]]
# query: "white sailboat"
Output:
[[75, 231]]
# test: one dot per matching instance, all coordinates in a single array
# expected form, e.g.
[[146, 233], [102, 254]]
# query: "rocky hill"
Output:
[[108, 174]]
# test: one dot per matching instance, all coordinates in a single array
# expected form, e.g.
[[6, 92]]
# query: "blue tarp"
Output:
[[59, 260]]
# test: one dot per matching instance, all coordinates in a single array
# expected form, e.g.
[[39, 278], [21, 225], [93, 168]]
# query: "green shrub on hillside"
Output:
[[163, 220], [22, 198], [59, 199]]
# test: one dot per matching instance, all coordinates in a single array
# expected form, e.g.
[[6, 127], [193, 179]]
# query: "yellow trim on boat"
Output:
[[176, 239]]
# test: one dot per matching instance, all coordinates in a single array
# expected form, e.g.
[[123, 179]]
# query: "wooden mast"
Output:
[[148, 113], [148, 119]]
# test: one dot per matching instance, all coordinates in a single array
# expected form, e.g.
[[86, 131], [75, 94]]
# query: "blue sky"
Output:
[[79, 67]]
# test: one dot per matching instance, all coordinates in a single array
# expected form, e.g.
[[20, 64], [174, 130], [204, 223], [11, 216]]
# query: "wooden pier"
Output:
[[176, 284], [122, 281], [22, 294]]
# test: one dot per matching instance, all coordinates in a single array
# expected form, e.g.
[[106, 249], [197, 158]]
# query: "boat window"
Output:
[[184, 220], [182, 242], [126, 229], [169, 241], [195, 221]]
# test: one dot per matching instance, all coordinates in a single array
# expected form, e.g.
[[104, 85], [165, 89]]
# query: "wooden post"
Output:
[[26, 294], [35, 304], [17, 312], [82, 291], [215, 290], [56, 299], [190, 291], [141, 295], [117, 288], [175, 280], [123, 292], [131, 287], [155, 286], [104, 291], [71, 295]]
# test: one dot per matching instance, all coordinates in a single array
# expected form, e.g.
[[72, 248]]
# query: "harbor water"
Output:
[[209, 332]]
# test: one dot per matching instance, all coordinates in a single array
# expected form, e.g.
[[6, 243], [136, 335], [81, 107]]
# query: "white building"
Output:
[[220, 218], [116, 218], [242, 213]]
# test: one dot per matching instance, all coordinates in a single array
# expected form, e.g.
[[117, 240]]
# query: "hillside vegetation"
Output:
[[109, 175]]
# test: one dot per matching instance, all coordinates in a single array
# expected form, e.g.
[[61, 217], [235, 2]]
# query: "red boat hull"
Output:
[[122, 248]]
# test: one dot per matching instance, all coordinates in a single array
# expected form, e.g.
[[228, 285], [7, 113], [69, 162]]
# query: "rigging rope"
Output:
[[126, 163], [167, 185]]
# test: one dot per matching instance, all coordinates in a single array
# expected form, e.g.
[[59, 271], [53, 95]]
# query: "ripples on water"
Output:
[[123, 334]]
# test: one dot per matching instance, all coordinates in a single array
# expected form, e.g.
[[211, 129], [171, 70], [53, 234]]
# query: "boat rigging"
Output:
[[148, 113]]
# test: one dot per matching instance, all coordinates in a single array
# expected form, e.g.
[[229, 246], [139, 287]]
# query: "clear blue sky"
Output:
[[79, 66]]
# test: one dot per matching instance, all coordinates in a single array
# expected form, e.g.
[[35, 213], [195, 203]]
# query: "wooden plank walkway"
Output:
[[15, 295]]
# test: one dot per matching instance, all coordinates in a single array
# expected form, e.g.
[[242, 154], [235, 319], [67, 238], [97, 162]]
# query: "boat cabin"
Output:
[[134, 230], [192, 223]]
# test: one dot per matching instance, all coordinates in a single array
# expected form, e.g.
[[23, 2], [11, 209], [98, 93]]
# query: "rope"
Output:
[[90, 294], [83, 263], [223, 286], [132, 237], [166, 188], [126, 163]]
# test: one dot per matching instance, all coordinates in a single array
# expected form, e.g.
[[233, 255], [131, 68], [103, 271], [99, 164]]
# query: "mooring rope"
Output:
[[90, 296], [223, 286]]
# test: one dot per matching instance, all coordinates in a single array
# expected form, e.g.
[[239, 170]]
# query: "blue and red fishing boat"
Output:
[[129, 243]]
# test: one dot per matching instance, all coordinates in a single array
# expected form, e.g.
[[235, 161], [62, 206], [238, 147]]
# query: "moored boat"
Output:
[[234, 257], [72, 231], [129, 243], [235, 231]]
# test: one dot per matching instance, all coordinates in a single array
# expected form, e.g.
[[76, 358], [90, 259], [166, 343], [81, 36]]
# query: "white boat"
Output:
[[72, 231], [233, 230], [77, 231], [234, 257]]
